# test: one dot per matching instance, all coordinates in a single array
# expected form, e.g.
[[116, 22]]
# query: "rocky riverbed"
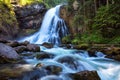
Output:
[[13, 65]]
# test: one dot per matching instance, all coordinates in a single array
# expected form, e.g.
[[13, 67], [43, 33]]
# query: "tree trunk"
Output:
[[95, 4], [107, 3], [113, 2]]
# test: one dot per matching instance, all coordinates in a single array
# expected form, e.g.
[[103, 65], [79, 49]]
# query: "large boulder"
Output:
[[47, 45], [33, 47], [44, 55], [85, 75], [7, 53], [53, 70], [50, 69], [20, 49]]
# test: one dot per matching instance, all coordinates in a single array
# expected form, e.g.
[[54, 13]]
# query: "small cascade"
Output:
[[73, 61], [52, 29]]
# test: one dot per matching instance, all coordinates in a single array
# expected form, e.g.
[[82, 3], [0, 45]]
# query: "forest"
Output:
[[98, 21]]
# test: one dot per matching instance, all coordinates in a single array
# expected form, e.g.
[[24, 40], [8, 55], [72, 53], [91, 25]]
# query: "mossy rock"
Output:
[[81, 46], [8, 22]]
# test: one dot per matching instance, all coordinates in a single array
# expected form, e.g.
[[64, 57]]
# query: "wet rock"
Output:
[[13, 43], [69, 61], [20, 72], [85, 75], [25, 43], [52, 69], [20, 49], [33, 47], [113, 53], [81, 47], [44, 55], [39, 65], [21, 46], [47, 45], [3, 40], [68, 46], [8, 52], [91, 52]]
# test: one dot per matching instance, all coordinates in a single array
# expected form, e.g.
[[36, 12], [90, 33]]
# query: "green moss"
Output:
[[8, 23], [66, 39]]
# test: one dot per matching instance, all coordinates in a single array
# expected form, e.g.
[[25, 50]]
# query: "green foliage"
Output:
[[70, 3], [8, 23], [107, 21], [7, 14], [52, 3], [115, 40], [93, 37], [27, 2], [66, 39], [78, 20]]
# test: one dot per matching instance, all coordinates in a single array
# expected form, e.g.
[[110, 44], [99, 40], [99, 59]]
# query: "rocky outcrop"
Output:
[[21, 46], [69, 17], [30, 16], [110, 50], [7, 54], [85, 75], [8, 23], [29, 47]]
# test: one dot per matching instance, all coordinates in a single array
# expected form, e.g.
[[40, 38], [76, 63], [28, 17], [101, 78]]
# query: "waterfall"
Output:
[[70, 60], [53, 28]]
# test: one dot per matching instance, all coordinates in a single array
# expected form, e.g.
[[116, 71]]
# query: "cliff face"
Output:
[[68, 17], [8, 23], [30, 17]]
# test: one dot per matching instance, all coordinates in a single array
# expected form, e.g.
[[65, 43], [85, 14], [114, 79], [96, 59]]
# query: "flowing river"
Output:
[[70, 60]]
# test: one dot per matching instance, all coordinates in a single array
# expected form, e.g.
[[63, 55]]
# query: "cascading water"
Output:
[[70, 60], [52, 30]]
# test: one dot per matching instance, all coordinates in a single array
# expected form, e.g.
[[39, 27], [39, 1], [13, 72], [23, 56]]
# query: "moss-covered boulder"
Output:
[[8, 23]]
